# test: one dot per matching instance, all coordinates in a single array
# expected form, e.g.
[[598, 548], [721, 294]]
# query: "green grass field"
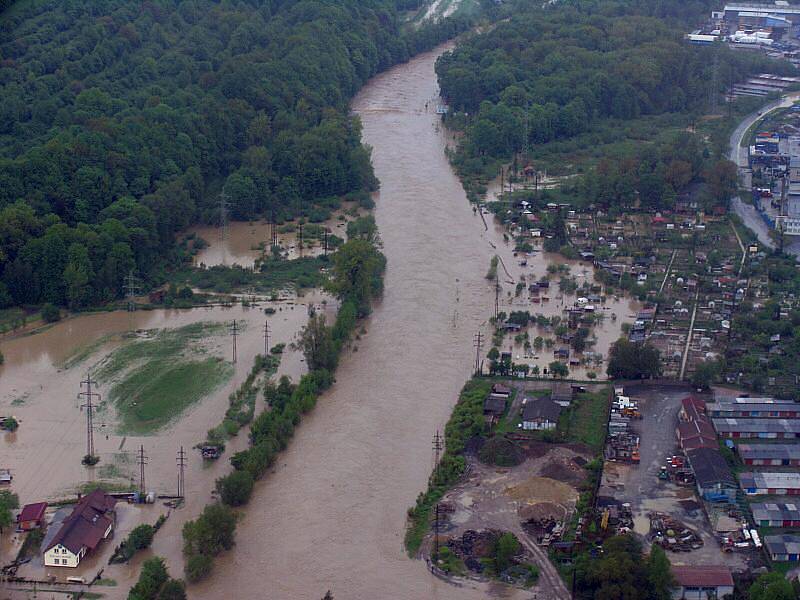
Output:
[[587, 419], [154, 380]]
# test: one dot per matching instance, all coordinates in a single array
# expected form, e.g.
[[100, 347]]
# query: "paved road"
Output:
[[738, 154]]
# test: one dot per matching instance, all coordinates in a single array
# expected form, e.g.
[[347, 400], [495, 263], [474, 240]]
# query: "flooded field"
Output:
[[40, 382]]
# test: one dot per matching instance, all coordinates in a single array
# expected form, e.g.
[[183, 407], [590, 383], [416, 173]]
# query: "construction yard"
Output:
[[648, 495]]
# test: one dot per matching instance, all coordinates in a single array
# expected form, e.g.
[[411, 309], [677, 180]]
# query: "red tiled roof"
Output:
[[693, 403], [702, 576], [87, 524], [32, 512]]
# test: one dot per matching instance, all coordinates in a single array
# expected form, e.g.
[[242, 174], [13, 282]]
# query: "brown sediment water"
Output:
[[333, 514]]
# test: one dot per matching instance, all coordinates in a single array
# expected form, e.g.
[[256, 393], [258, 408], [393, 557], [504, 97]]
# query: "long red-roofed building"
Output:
[[91, 521]]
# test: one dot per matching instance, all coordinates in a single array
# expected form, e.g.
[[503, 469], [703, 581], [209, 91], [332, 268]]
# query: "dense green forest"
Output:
[[122, 123], [590, 72]]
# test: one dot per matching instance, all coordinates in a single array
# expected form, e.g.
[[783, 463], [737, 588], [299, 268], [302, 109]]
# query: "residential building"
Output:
[[773, 455], [776, 514], [31, 516], [712, 473], [91, 521], [701, 582], [782, 548], [540, 414], [494, 406], [769, 483], [562, 394], [758, 428]]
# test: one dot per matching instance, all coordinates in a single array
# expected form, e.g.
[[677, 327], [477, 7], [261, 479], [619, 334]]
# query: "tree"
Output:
[[771, 586], [50, 313], [722, 178], [632, 360], [8, 502], [505, 549], [705, 373], [317, 343], [212, 532], [152, 578], [141, 537], [558, 369], [356, 274], [174, 589], [235, 488], [659, 574]]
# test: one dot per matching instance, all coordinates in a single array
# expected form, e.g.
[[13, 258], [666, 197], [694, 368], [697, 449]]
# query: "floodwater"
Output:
[[44, 454], [333, 514]]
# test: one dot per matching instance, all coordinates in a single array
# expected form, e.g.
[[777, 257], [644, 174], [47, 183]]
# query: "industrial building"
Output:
[[788, 410], [772, 484], [772, 514], [700, 582], [783, 548], [713, 476], [777, 14], [773, 455], [758, 428]]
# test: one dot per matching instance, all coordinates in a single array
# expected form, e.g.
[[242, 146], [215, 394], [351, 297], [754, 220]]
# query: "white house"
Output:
[[701, 582], [91, 521]]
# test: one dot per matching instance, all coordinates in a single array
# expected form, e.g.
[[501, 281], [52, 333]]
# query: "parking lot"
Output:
[[640, 486]]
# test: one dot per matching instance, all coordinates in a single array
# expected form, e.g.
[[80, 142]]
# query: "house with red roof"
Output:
[[701, 582], [31, 516], [91, 521]]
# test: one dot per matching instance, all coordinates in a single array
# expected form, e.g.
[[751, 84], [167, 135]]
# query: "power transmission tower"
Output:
[[273, 231], [438, 445], [181, 466], [88, 395], [266, 338], [141, 460], [132, 289], [478, 343], [234, 335]]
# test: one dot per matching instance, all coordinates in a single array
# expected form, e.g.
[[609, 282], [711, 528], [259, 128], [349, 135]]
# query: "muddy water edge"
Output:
[[333, 514]]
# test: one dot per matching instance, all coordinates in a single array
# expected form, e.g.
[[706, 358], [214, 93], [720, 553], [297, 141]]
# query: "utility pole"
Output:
[[88, 395], [478, 343], [141, 460], [300, 239], [181, 466], [132, 289], [234, 334], [223, 221], [438, 446], [325, 242], [496, 296], [273, 231], [266, 338]]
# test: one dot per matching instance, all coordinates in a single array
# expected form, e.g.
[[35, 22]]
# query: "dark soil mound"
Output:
[[501, 452]]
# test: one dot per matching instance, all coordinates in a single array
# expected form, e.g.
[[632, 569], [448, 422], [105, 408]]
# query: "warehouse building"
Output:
[[773, 514], [758, 428], [714, 478], [783, 548], [788, 410], [771, 484], [771, 455]]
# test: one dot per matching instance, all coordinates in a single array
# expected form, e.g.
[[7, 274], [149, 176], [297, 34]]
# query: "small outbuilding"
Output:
[[540, 414], [31, 516], [701, 582]]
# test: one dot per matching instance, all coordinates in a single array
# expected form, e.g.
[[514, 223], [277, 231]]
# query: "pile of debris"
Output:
[[544, 521], [677, 471], [623, 447], [672, 535], [474, 545]]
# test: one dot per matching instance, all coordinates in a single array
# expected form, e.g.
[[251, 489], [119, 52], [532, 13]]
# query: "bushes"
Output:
[[205, 537], [50, 313], [155, 583], [235, 488]]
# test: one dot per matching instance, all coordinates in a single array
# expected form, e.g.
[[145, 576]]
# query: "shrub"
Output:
[[50, 313], [235, 488]]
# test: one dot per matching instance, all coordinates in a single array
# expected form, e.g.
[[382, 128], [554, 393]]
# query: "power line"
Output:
[[141, 460], [89, 396], [181, 460], [266, 337], [234, 335], [496, 295], [438, 445]]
